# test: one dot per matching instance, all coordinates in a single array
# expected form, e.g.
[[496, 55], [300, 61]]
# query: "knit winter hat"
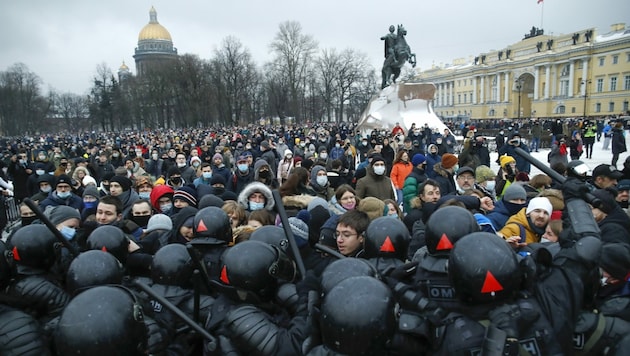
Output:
[[159, 222], [484, 173], [217, 156], [299, 227], [186, 194], [210, 200], [515, 191], [539, 203], [449, 160], [373, 207], [91, 191], [377, 158], [61, 213], [417, 159], [505, 160], [88, 180], [124, 182], [63, 178], [615, 259], [217, 179], [317, 201]]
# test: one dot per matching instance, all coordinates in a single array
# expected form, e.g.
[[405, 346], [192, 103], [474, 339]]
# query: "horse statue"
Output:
[[396, 56]]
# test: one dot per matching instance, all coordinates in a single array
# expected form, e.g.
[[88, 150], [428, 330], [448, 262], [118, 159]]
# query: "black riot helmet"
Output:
[[256, 267], [357, 317], [93, 268], [109, 239], [104, 320], [20, 334], [212, 222], [173, 266], [273, 235], [483, 268], [446, 226], [34, 246], [344, 268], [386, 237]]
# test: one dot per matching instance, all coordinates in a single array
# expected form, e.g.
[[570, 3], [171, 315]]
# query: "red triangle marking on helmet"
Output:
[[104, 249], [201, 227], [388, 246], [16, 255], [224, 276], [491, 284], [444, 243]]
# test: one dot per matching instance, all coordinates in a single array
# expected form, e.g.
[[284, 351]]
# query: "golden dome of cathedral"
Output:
[[153, 30]]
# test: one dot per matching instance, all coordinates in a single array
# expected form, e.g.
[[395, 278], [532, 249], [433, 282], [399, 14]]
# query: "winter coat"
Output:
[[399, 173], [618, 141], [513, 228], [373, 185], [445, 179], [410, 187]]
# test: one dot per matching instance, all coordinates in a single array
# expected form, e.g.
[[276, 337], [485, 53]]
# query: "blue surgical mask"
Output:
[[256, 206], [166, 207], [207, 175], [68, 232], [144, 195], [90, 204], [64, 195], [243, 167]]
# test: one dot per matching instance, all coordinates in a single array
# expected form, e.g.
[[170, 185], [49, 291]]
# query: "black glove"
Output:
[[400, 273], [573, 188], [309, 283]]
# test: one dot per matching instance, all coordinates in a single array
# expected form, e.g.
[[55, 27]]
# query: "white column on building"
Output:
[[571, 72], [443, 96], [536, 82], [547, 78], [499, 87], [474, 98], [584, 74], [452, 91], [506, 88], [482, 97], [554, 82]]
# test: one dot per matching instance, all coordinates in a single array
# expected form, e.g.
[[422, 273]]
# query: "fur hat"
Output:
[[253, 187], [505, 160], [61, 213], [373, 207], [159, 222], [186, 194], [449, 160], [539, 203]]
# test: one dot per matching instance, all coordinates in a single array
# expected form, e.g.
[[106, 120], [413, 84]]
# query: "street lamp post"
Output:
[[585, 83], [519, 87]]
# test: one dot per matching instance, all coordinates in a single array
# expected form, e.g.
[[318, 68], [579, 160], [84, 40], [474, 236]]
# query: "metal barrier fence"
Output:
[[11, 209]]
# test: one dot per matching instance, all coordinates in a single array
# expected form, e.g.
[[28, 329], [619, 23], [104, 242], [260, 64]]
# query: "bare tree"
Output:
[[22, 108], [353, 67], [293, 52], [327, 64]]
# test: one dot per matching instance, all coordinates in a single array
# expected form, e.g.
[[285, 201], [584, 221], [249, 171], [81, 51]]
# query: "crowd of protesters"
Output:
[[398, 199]]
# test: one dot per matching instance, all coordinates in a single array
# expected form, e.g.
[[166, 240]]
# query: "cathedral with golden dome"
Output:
[[155, 45]]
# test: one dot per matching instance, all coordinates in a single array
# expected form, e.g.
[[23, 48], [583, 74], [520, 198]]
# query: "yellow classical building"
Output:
[[574, 75]]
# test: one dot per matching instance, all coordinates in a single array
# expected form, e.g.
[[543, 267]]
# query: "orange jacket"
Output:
[[400, 171]]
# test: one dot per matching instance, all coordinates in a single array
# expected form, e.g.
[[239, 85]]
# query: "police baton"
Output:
[[212, 341], [43, 218], [588, 197], [328, 250], [287, 231]]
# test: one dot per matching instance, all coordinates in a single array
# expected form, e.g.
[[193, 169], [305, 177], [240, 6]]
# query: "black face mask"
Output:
[[176, 180], [142, 221], [28, 220], [263, 174], [219, 190]]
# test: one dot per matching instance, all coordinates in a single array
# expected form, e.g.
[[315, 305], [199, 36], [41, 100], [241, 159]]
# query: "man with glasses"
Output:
[[349, 232], [465, 179], [63, 195]]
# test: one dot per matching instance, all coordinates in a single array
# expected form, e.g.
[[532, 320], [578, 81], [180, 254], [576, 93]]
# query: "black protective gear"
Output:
[[173, 266], [386, 237], [256, 267], [483, 268], [213, 222], [358, 328], [287, 297], [20, 334], [37, 295], [595, 334], [273, 235], [109, 239], [580, 220], [6, 264], [34, 246], [446, 226], [93, 268], [259, 340], [340, 270], [574, 188], [104, 320]]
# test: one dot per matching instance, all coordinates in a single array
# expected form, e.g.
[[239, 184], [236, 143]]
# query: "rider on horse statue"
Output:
[[397, 53]]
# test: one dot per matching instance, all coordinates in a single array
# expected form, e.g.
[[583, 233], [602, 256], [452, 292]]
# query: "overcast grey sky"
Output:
[[64, 41]]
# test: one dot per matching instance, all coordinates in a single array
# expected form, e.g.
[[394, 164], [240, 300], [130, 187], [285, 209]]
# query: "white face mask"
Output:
[[490, 184], [323, 155], [181, 165], [39, 172], [322, 180], [154, 156], [379, 170]]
